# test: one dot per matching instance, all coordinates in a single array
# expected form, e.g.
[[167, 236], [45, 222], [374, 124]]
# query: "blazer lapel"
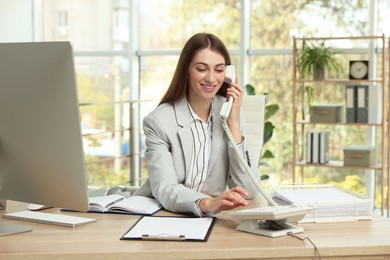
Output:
[[183, 117]]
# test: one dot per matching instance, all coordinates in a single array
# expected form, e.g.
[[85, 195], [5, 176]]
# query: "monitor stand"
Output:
[[7, 228], [270, 228], [10, 229]]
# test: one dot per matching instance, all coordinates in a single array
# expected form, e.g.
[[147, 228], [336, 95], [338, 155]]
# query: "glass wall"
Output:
[[90, 25], [99, 33], [126, 53]]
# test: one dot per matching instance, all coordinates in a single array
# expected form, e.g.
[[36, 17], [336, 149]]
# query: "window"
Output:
[[126, 52], [62, 26]]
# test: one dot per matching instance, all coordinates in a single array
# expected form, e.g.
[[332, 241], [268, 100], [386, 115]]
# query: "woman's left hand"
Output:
[[236, 92]]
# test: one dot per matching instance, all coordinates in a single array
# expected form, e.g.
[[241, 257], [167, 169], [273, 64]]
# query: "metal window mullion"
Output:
[[134, 85]]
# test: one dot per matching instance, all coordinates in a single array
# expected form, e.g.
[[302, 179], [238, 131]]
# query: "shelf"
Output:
[[302, 124], [305, 122], [340, 164], [339, 81], [373, 37]]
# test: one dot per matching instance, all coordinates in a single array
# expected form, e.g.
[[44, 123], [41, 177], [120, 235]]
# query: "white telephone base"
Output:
[[268, 228]]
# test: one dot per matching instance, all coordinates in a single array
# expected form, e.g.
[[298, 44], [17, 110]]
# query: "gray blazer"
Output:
[[168, 153]]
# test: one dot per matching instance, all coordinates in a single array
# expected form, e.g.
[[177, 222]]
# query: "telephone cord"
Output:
[[257, 182], [247, 168], [317, 252]]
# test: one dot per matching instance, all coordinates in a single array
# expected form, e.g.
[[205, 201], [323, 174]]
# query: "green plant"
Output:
[[316, 59], [270, 110]]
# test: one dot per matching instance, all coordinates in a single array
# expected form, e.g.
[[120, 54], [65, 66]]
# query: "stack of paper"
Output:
[[332, 204]]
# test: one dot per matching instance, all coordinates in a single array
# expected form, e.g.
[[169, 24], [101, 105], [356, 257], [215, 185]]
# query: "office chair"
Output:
[[253, 109]]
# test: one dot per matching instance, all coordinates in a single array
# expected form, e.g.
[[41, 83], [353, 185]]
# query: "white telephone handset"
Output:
[[225, 111], [229, 78]]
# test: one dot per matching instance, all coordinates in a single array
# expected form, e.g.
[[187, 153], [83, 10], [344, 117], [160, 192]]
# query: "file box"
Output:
[[360, 155], [329, 113]]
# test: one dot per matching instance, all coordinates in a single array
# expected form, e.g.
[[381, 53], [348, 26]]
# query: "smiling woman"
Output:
[[192, 167]]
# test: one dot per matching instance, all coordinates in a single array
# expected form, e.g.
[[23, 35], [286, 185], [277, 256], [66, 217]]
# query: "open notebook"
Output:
[[138, 205], [115, 203]]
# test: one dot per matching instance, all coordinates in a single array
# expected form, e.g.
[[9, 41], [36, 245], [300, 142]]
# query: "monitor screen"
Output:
[[41, 152]]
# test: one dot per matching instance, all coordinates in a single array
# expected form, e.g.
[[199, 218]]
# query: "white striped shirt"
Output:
[[201, 136]]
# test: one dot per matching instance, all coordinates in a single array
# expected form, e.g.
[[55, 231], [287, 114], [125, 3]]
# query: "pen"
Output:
[[247, 158], [163, 237]]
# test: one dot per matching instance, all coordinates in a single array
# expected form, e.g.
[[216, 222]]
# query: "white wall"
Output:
[[16, 20]]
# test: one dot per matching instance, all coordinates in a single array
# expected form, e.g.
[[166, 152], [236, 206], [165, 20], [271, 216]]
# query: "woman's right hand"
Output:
[[229, 199]]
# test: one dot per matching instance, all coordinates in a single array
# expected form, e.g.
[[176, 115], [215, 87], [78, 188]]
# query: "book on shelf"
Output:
[[317, 147], [363, 104], [324, 147], [309, 150], [374, 104], [135, 205], [351, 107]]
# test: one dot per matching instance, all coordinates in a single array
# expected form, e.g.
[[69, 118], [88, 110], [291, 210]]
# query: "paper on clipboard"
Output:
[[170, 228]]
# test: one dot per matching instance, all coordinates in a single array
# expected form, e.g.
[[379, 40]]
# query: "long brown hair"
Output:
[[179, 84]]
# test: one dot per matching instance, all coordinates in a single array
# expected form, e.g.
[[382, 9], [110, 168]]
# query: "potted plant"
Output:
[[316, 59]]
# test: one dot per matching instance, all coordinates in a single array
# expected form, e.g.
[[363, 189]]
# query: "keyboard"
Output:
[[292, 213], [49, 218]]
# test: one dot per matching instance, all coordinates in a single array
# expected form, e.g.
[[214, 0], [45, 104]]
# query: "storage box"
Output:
[[329, 113], [360, 155]]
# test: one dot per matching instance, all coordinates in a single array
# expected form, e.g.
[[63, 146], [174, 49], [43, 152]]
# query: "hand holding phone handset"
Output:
[[225, 111], [230, 77]]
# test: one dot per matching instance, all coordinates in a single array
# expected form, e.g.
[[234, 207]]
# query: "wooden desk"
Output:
[[100, 240]]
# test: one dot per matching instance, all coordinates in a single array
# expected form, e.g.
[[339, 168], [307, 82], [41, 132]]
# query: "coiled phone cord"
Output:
[[247, 168]]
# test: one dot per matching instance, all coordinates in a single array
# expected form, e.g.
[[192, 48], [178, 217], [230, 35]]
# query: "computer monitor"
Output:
[[41, 152]]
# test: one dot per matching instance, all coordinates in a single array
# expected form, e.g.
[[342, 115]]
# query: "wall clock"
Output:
[[358, 69]]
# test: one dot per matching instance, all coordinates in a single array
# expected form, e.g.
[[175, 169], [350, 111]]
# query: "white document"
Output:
[[170, 228]]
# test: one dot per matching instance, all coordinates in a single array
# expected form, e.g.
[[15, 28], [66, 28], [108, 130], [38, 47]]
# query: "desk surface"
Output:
[[368, 239]]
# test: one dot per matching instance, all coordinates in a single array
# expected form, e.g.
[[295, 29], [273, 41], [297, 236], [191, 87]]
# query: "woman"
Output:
[[191, 165]]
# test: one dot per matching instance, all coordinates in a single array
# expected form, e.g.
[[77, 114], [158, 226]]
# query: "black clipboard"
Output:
[[165, 228]]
